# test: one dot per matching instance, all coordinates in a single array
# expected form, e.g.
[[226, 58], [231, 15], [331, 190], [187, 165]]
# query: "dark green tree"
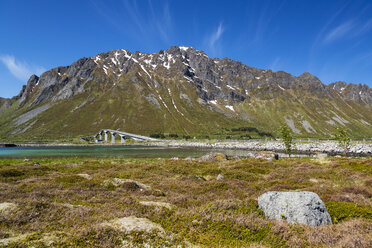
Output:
[[287, 139], [342, 138]]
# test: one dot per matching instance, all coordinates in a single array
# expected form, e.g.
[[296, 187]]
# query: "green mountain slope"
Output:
[[180, 91]]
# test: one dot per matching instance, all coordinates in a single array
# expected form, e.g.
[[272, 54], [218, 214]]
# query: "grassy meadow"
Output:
[[63, 202]]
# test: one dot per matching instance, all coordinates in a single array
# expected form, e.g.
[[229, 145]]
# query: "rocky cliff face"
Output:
[[182, 84]]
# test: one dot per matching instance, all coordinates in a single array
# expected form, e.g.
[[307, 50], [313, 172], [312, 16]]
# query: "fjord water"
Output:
[[100, 151]]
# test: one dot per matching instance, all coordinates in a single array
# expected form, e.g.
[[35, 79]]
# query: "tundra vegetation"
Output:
[[67, 202]]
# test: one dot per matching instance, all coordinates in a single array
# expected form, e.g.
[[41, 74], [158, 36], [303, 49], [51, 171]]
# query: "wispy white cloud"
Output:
[[348, 29], [162, 21], [213, 38], [141, 20], [20, 70], [340, 31]]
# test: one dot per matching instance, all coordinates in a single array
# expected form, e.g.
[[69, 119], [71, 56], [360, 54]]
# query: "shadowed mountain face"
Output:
[[180, 90]]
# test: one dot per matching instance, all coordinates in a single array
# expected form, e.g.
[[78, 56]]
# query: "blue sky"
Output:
[[330, 39]]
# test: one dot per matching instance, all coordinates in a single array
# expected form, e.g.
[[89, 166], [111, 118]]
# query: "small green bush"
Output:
[[340, 211]]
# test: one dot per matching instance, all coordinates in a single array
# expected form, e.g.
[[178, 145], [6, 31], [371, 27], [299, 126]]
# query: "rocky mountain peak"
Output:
[[214, 79]]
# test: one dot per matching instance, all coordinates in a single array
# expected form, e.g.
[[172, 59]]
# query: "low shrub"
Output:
[[340, 211]]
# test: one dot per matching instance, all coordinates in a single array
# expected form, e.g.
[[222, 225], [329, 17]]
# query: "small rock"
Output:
[[174, 158], [26, 160], [300, 207], [157, 204], [6, 208], [201, 178], [313, 180], [8, 241], [132, 223], [86, 176], [220, 177], [276, 156], [36, 164], [118, 182]]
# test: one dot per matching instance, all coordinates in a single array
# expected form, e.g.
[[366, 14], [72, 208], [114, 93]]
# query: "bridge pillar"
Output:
[[106, 137], [122, 138], [113, 138]]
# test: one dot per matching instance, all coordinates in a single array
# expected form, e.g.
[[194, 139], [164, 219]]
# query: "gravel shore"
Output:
[[329, 147]]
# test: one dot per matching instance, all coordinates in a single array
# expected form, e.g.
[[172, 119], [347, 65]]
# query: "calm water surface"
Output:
[[104, 151]]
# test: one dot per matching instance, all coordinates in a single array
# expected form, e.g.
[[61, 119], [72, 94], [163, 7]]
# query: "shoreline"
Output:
[[331, 148]]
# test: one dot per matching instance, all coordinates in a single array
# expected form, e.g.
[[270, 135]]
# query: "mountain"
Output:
[[180, 91]]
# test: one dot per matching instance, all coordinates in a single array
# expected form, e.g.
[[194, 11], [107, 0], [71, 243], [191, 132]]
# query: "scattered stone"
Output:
[[8, 241], [132, 223], [209, 177], [214, 156], [36, 164], [201, 178], [313, 180], [219, 177], [174, 158], [128, 182], [7, 208], [157, 204], [86, 176], [26, 160], [300, 207]]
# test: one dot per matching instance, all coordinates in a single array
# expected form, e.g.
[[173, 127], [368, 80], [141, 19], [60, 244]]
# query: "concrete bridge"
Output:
[[105, 133]]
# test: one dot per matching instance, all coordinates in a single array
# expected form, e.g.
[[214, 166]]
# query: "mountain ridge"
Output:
[[182, 80]]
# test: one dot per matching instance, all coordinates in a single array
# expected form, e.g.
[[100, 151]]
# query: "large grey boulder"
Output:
[[300, 207]]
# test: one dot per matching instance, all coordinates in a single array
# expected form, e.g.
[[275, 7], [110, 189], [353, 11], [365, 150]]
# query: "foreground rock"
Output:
[[301, 207], [132, 223], [7, 208]]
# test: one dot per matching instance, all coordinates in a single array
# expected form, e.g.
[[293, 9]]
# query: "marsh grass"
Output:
[[59, 208]]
